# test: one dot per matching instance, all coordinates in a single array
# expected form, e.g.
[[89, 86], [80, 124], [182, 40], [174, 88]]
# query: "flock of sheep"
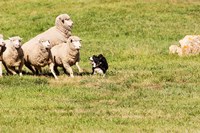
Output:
[[55, 47]]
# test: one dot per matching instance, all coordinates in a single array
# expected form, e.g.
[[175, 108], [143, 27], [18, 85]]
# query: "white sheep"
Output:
[[13, 55], [67, 54], [2, 49], [58, 33], [37, 55]]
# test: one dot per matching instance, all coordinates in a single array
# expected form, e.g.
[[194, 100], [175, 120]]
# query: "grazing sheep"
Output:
[[2, 49], [37, 55], [13, 55], [67, 54], [57, 34]]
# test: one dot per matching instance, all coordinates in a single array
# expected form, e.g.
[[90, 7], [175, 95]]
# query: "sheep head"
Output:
[[2, 44], [1, 40], [16, 41], [64, 21], [75, 41], [45, 43]]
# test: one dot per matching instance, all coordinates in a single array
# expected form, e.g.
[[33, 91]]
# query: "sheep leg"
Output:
[[79, 68], [56, 70], [11, 70], [38, 70], [4, 64], [20, 68], [65, 71], [51, 66], [1, 69], [69, 69], [28, 65]]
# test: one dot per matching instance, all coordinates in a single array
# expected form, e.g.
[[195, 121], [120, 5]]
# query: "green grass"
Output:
[[145, 89]]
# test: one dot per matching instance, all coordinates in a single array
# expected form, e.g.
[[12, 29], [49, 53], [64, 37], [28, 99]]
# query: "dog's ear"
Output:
[[100, 56]]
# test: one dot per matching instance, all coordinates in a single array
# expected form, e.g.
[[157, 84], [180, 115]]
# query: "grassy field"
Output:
[[145, 89]]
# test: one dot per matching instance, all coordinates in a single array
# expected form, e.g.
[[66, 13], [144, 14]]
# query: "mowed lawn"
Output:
[[145, 89]]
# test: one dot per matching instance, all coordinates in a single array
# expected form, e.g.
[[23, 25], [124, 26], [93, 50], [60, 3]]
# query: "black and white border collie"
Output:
[[99, 64]]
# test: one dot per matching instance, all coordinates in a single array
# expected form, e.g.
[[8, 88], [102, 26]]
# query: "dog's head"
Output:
[[99, 61], [99, 64], [95, 61]]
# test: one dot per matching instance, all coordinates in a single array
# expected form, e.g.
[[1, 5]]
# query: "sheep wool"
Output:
[[13, 55], [58, 33], [2, 49], [36, 55], [67, 54]]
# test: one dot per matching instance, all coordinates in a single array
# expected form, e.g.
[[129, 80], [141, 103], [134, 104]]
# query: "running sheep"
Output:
[[66, 55], [37, 55], [13, 55]]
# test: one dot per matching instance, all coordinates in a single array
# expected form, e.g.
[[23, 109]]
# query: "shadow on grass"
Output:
[[49, 74]]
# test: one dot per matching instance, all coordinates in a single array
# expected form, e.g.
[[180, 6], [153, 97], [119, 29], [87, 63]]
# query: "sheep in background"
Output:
[[13, 55], [2, 49], [67, 54], [57, 34], [37, 55]]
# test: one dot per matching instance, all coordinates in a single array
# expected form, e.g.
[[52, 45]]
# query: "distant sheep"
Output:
[[13, 55], [2, 49], [67, 54], [57, 34], [37, 55]]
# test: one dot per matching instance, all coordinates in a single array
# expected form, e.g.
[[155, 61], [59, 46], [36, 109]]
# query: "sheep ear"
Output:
[[70, 39], [61, 20]]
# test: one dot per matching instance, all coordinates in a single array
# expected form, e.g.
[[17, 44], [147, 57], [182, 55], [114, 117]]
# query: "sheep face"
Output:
[[65, 21], [76, 41], [2, 45], [16, 41], [2, 42], [45, 43]]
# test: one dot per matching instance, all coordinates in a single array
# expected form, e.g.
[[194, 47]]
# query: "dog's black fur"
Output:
[[99, 64]]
